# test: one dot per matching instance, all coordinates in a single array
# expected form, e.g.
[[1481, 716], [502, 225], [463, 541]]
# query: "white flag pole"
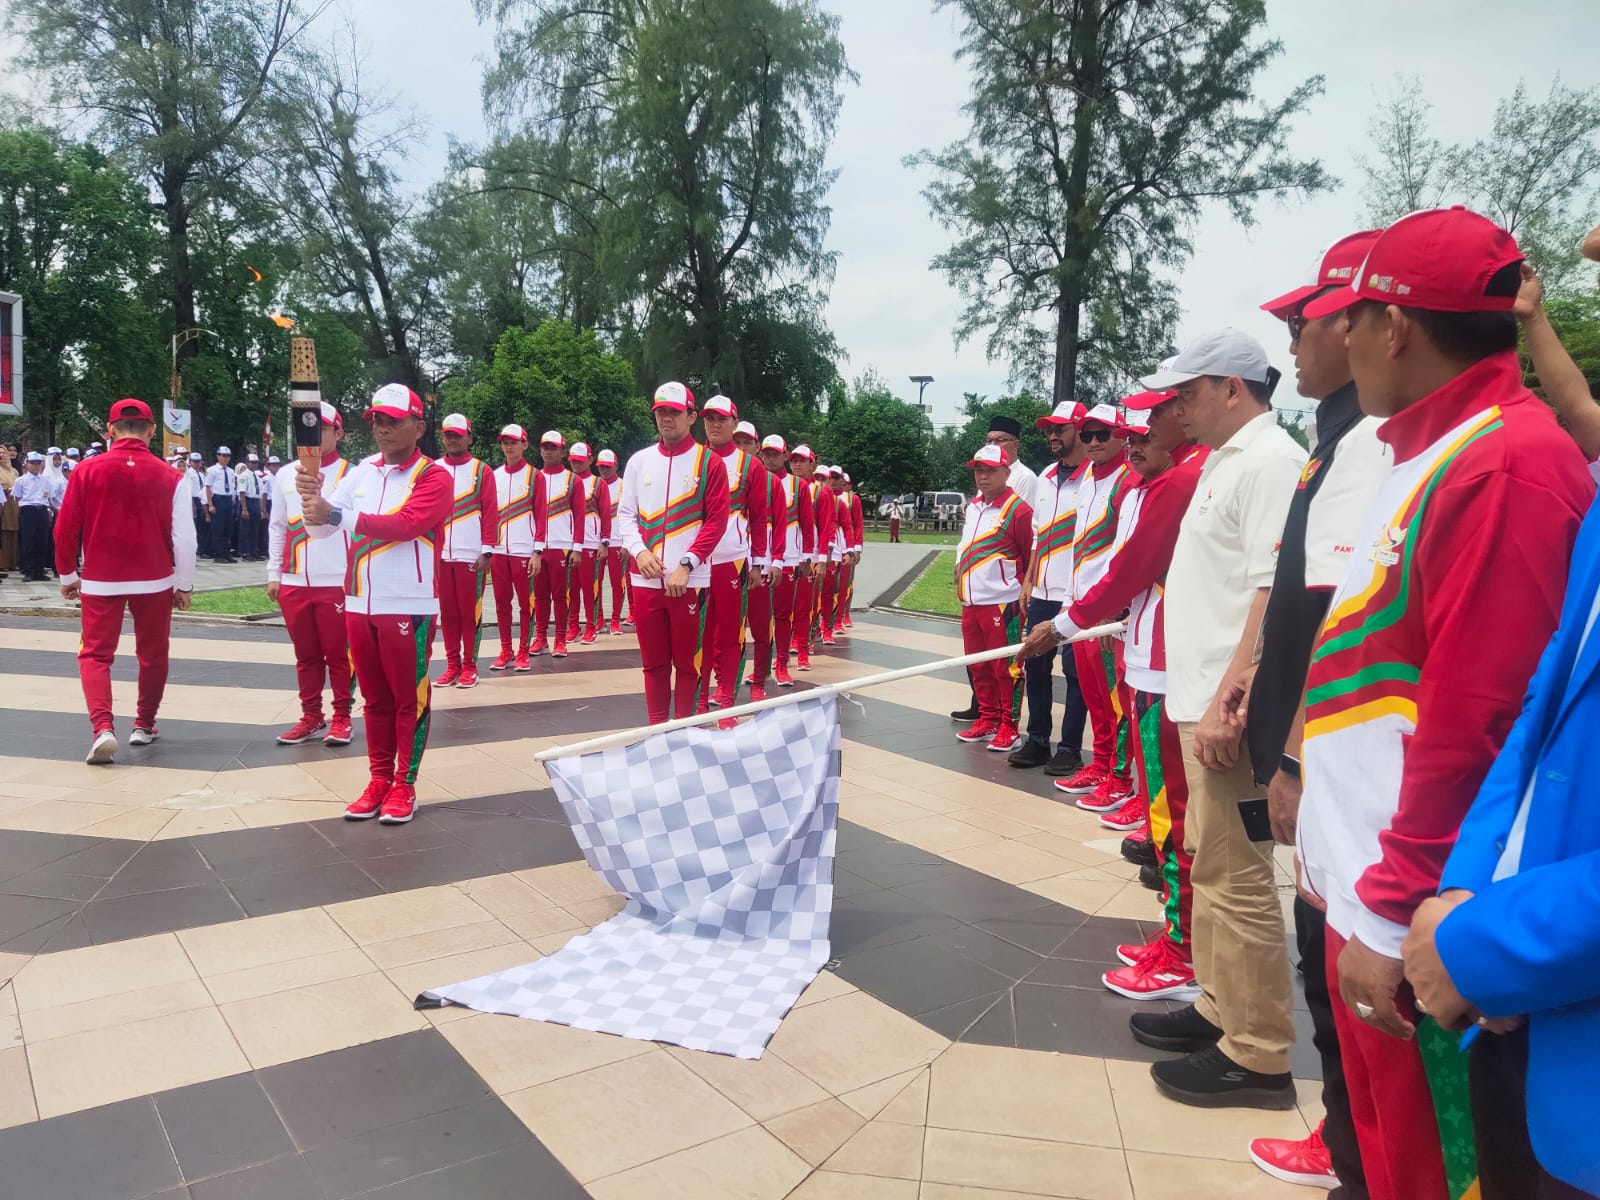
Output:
[[832, 689]]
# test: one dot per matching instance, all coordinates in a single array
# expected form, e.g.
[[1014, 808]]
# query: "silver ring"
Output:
[[1365, 1011], [1420, 1006]]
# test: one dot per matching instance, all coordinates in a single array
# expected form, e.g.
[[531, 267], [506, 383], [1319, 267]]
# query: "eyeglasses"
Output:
[[1094, 435], [1297, 325], [1000, 439]]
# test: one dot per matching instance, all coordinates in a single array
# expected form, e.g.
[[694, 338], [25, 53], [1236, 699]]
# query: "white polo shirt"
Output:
[[1022, 481], [1227, 550]]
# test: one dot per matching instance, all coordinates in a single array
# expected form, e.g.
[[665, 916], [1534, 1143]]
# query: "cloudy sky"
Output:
[[894, 314]]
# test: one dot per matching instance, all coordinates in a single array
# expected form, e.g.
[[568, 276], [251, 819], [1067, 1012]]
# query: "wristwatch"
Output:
[[688, 560], [336, 517]]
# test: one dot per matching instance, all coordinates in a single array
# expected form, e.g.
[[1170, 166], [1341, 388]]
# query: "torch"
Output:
[[305, 404]]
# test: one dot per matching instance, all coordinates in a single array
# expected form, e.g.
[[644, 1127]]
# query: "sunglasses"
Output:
[[1094, 435]]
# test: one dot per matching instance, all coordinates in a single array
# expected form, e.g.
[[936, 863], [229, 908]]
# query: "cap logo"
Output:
[[1381, 283], [1402, 289], [1341, 272]]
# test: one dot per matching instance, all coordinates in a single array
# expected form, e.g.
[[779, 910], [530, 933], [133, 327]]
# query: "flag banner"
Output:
[[721, 842]]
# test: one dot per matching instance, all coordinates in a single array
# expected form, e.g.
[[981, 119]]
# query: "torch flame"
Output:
[[281, 321]]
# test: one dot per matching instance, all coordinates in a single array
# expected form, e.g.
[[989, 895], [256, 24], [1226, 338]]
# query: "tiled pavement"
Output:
[[211, 973]]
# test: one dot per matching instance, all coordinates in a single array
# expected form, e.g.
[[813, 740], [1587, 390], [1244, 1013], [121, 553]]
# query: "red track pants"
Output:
[[511, 575], [1390, 1100], [988, 627], [725, 623], [152, 643], [461, 611], [616, 567], [551, 586], [759, 605], [785, 599], [583, 587], [804, 612], [315, 620], [1159, 755], [830, 595], [392, 654], [847, 591], [1097, 677], [671, 635]]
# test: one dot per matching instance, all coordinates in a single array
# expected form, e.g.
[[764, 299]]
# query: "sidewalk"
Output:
[[17, 596]]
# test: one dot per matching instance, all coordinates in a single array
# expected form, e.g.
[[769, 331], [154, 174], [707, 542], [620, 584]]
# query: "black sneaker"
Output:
[[1139, 850], [970, 713], [1029, 754], [1183, 1030], [1065, 762], [1210, 1079], [1150, 876]]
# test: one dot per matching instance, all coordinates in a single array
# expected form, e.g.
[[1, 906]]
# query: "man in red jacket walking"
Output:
[[125, 540]]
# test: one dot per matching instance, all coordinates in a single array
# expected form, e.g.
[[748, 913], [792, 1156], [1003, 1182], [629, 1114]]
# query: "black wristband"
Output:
[[1290, 765]]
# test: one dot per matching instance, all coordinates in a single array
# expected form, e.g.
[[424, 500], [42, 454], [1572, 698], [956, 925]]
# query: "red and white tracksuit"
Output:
[[469, 533], [760, 601], [854, 524], [310, 579], [513, 547], [615, 556], [808, 593], [557, 508], [991, 563], [583, 579], [1100, 492], [125, 534], [675, 505], [393, 515], [842, 544], [799, 547], [740, 557]]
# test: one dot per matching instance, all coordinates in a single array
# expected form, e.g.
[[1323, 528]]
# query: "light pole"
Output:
[[182, 339], [922, 381]]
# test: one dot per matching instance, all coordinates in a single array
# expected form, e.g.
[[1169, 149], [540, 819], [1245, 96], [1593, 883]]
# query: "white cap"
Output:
[[721, 404], [196, 456], [35, 456], [72, 452], [515, 432], [608, 458], [97, 445], [744, 427], [330, 416], [224, 450], [836, 472], [53, 450], [550, 437], [1135, 421], [456, 423], [803, 451], [847, 476], [273, 458], [579, 450], [252, 458], [990, 456], [673, 395], [1224, 353], [1106, 414], [775, 441]]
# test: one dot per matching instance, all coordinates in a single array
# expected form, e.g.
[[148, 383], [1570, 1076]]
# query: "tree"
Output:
[[1100, 129], [1577, 322], [948, 455], [683, 144], [1024, 409], [1410, 168], [174, 87], [879, 438]]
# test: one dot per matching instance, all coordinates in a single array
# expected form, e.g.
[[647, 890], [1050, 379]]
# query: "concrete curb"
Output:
[[900, 586], [70, 613]]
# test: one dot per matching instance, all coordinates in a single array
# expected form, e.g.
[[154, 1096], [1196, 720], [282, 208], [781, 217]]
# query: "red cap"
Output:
[[721, 404], [1441, 260], [1336, 268], [1145, 401], [131, 410], [1068, 412], [673, 395], [990, 456], [395, 400]]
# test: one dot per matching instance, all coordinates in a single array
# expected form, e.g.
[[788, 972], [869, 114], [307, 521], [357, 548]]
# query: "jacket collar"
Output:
[[1493, 380]]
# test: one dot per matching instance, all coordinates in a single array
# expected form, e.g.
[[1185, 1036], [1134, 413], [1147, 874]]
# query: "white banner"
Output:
[[175, 419]]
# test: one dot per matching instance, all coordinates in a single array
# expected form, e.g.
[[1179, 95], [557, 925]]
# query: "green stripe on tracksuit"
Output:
[[1109, 658], [422, 635], [477, 619]]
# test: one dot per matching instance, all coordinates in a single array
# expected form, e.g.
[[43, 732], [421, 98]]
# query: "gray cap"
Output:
[[224, 450], [35, 456], [196, 456], [1224, 353]]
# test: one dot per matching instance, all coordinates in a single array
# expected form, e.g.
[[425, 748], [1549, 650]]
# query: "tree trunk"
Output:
[[175, 205], [1069, 312], [1072, 177]]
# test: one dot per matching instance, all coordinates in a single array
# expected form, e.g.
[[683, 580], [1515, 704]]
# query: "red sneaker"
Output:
[[1129, 817], [616, 625], [400, 805], [560, 650], [728, 723], [1306, 1162], [504, 659], [827, 635], [539, 646], [590, 635], [469, 678], [1134, 953], [366, 805], [524, 663], [1162, 975], [1084, 782], [722, 697], [1006, 740], [628, 621], [758, 692], [803, 662], [339, 733], [980, 730], [448, 679], [573, 634], [306, 729], [781, 676], [1111, 795]]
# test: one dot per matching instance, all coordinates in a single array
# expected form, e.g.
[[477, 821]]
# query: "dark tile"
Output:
[[361, 840], [974, 897], [997, 1027], [505, 804], [954, 1021], [516, 843], [112, 1153], [848, 883], [160, 866], [53, 883], [529, 1172], [160, 912], [1040, 931], [21, 916], [341, 1095], [302, 887], [22, 851], [222, 1126], [920, 975], [1097, 939], [1072, 972], [238, 854], [427, 868], [855, 837], [894, 864], [403, 1151], [993, 952], [71, 934], [101, 860], [881, 918], [281, 1179], [1078, 1021]]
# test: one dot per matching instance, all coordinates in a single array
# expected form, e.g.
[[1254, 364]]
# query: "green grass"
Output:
[[918, 538], [233, 602], [935, 589]]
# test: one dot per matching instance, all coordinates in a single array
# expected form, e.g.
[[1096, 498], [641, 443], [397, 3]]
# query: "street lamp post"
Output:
[[922, 381], [182, 339]]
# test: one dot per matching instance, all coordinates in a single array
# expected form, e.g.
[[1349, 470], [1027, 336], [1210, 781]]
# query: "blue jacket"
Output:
[[1530, 943]]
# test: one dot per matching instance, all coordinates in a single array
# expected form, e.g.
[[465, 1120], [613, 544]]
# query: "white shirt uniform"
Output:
[[197, 483], [294, 557], [34, 491], [221, 480], [1022, 481], [249, 484]]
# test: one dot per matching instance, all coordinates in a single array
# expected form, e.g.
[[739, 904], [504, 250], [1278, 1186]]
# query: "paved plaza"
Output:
[[211, 975]]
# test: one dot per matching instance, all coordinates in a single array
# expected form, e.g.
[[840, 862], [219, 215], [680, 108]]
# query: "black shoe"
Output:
[[1029, 754], [1150, 876], [1065, 762], [970, 713], [1183, 1030], [1210, 1079], [1139, 850]]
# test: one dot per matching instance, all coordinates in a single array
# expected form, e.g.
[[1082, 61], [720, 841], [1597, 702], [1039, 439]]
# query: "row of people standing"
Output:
[[231, 503]]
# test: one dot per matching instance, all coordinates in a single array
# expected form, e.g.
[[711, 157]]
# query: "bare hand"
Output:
[[649, 565], [182, 600], [272, 590], [1368, 978], [1234, 698], [1530, 296], [535, 565], [309, 486], [317, 510], [1216, 743], [1041, 639], [1305, 893], [803, 571], [678, 581], [71, 591], [482, 564], [1437, 994], [1283, 806]]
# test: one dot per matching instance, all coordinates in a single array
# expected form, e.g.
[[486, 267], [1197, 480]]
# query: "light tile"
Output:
[[415, 978], [502, 895], [765, 1088], [513, 1054], [830, 1185], [750, 1164], [59, 816], [1010, 1164], [663, 1106], [852, 1041], [1006, 827], [875, 1097], [825, 986], [258, 941], [880, 1148], [566, 884], [1084, 895], [1011, 861], [16, 1089], [403, 914], [123, 1008], [1171, 1177], [287, 976], [542, 922], [948, 1191], [910, 1107], [1151, 1122], [71, 976], [193, 824], [312, 1020], [1024, 1093], [101, 1066], [816, 1131], [942, 834], [877, 811], [590, 913], [439, 943]]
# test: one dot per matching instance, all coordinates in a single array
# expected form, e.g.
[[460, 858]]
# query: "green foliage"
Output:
[[935, 589], [1024, 409], [948, 455], [1576, 321], [879, 438], [1099, 132], [556, 377]]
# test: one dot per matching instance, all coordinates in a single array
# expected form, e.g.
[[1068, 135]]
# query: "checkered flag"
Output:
[[722, 843]]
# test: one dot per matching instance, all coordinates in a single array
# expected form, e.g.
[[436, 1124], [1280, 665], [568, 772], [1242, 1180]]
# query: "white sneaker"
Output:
[[142, 737], [105, 745]]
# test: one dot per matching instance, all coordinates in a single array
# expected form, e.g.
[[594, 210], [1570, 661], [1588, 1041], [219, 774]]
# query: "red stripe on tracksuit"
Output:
[[988, 627]]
